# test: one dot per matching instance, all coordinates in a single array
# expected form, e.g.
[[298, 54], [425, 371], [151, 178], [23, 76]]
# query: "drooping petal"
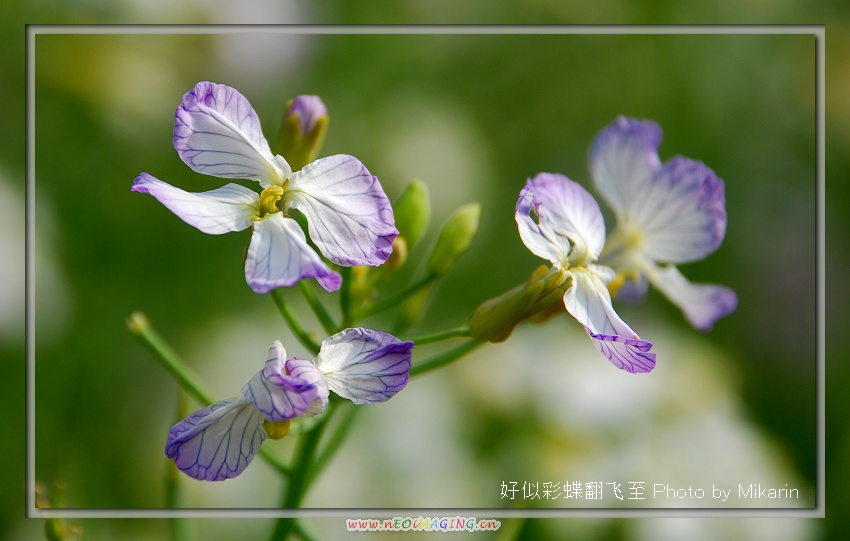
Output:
[[702, 304], [567, 210], [217, 442], [229, 208], [284, 389], [279, 256], [349, 216], [588, 301], [681, 212], [217, 132], [623, 159], [365, 366], [536, 233]]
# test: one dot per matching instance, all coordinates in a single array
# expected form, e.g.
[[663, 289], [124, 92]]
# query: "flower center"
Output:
[[270, 200]]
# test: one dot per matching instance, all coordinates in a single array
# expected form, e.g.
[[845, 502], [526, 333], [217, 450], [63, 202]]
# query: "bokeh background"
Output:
[[472, 116]]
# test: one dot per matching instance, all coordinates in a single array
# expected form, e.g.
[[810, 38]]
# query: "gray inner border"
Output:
[[818, 31]]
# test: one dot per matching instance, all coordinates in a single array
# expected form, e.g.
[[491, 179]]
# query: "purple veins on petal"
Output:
[[216, 442], [365, 366], [349, 217]]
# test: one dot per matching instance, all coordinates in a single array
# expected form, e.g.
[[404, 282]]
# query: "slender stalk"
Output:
[[175, 494], [301, 532], [444, 358], [345, 297], [298, 480], [391, 300], [299, 332], [318, 308], [335, 441], [141, 328], [440, 336]]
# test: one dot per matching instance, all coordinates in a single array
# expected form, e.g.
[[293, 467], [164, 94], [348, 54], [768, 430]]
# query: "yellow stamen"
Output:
[[269, 199], [277, 429]]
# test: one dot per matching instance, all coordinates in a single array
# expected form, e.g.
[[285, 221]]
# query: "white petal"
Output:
[[217, 132], [279, 256], [365, 366], [623, 159], [702, 304], [588, 301], [349, 216], [217, 442], [681, 212], [536, 233], [283, 389], [229, 208], [565, 212]]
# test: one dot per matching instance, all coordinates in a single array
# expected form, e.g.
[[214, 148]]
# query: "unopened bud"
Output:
[[399, 255], [455, 238], [412, 212], [303, 131]]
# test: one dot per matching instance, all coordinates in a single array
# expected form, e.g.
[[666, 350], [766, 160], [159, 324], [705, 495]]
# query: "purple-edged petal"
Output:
[[702, 304], [284, 389], [217, 442], [681, 212], [349, 216], [229, 208], [279, 256], [623, 159], [564, 209], [365, 366], [588, 301], [217, 132]]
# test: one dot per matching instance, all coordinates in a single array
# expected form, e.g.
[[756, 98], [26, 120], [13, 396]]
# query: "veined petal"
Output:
[[217, 132], [365, 366], [279, 256], [588, 301], [623, 159], [681, 212], [284, 389], [229, 208], [349, 216], [567, 210], [702, 304], [535, 232], [217, 442]]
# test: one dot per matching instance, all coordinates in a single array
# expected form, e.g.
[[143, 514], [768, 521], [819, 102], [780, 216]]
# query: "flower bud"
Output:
[[398, 256], [537, 299], [303, 131], [412, 212], [455, 238]]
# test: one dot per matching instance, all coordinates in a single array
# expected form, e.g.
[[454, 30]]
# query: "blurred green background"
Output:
[[472, 116]]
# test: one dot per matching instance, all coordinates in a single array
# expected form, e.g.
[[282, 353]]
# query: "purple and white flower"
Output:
[[666, 214], [560, 221], [219, 441], [350, 220]]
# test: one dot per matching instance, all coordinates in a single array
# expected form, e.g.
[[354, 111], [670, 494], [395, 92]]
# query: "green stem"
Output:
[[318, 308], [301, 532], [395, 298], [444, 358], [300, 479], [345, 297], [335, 440], [440, 336], [299, 332], [141, 328]]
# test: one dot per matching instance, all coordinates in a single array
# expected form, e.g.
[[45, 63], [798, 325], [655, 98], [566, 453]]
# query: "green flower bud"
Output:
[[303, 131], [455, 238], [536, 299], [412, 212]]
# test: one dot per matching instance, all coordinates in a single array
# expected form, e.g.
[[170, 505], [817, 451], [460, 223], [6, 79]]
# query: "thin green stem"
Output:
[[299, 481], [141, 328], [301, 531], [299, 332], [335, 440], [345, 297], [391, 300], [318, 308], [440, 336], [444, 358]]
